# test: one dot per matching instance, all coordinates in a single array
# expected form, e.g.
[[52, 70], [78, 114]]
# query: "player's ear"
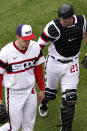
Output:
[[17, 36]]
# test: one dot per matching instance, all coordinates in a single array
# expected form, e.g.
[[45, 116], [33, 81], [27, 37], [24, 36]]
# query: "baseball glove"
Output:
[[84, 62], [3, 114]]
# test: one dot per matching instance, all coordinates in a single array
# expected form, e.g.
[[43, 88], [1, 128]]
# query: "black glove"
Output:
[[3, 114]]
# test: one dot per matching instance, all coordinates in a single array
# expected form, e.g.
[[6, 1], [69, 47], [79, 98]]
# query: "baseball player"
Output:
[[20, 64], [65, 35]]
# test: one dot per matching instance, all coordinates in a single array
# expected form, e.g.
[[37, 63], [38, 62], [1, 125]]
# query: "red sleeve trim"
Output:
[[38, 71], [1, 79], [46, 35], [43, 39]]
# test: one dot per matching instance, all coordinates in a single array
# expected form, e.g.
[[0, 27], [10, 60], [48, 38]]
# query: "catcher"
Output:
[[65, 36]]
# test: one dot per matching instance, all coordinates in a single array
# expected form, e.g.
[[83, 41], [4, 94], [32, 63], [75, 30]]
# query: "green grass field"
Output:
[[38, 13]]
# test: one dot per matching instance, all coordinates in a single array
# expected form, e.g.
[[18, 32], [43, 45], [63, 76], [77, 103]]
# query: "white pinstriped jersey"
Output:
[[18, 67]]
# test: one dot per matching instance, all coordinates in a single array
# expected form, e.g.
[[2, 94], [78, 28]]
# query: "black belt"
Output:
[[62, 61]]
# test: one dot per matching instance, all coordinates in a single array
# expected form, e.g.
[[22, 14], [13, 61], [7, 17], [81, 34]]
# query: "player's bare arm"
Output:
[[41, 96], [1, 102]]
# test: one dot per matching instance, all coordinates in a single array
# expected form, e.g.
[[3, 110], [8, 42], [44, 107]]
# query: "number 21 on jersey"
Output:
[[74, 68]]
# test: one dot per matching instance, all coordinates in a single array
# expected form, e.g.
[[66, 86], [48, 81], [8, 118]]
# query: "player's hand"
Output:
[[1, 102], [41, 96]]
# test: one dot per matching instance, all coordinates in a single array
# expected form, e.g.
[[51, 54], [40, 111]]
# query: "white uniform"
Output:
[[19, 81], [56, 70], [62, 63]]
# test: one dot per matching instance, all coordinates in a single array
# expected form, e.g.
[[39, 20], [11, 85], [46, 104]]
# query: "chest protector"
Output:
[[70, 39]]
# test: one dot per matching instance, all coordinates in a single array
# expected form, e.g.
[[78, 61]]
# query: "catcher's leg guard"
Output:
[[50, 94], [67, 109]]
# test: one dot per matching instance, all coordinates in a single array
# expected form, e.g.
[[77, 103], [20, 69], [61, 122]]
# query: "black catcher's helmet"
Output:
[[65, 11]]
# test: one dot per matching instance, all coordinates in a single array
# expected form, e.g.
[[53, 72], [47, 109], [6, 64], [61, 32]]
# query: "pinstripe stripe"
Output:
[[8, 107]]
